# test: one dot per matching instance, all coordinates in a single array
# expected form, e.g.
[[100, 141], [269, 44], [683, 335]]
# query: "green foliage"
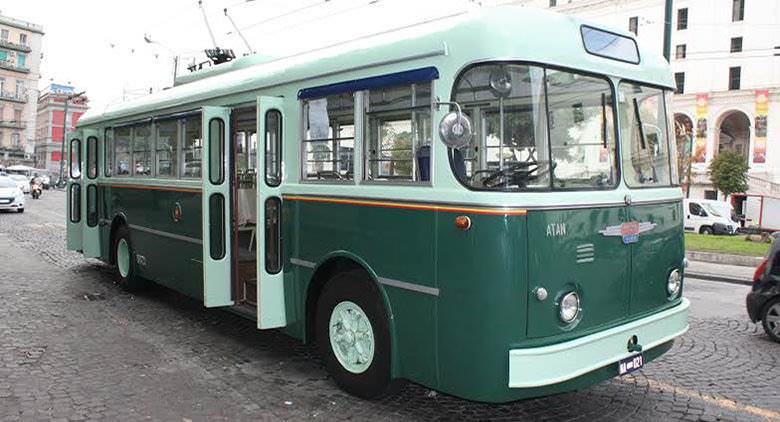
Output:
[[728, 172]]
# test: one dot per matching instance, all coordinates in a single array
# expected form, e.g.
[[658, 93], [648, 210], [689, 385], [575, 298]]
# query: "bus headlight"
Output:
[[569, 307], [674, 283]]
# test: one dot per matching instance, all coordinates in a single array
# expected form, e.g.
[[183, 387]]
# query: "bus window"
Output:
[[108, 152], [645, 136], [532, 134], [92, 207], [329, 138], [142, 150], [582, 135], [75, 203], [216, 151], [75, 158], [399, 130], [167, 147], [217, 226], [272, 236], [122, 138], [193, 144], [92, 158], [273, 147]]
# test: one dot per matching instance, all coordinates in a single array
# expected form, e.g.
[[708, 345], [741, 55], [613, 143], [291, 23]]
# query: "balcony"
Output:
[[13, 124], [12, 96], [7, 65], [14, 46]]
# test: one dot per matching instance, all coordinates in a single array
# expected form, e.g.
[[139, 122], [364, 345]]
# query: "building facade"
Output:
[[51, 122], [20, 60], [726, 63]]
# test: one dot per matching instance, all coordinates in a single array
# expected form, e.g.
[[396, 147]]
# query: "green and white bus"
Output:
[[485, 204]]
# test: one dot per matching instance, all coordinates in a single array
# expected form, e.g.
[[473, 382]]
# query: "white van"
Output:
[[706, 216]]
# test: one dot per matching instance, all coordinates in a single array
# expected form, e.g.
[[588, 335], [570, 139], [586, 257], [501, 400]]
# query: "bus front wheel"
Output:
[[124, 271], [353, 335]]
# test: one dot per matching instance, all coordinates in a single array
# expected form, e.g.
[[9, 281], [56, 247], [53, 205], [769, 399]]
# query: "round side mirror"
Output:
[[455, 130]]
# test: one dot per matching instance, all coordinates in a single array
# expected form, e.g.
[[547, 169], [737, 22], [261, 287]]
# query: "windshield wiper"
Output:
[[643, 141], [604, 119]]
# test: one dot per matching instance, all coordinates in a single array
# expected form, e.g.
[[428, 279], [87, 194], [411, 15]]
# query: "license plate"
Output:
[[630, 364]]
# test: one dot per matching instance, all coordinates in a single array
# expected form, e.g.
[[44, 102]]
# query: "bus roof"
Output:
[[499, 33]]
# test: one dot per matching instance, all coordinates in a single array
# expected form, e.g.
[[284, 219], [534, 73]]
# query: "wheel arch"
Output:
[[118, 221], [331, 264]]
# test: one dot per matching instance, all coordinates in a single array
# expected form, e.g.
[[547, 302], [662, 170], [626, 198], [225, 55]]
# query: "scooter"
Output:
[[36, 190]]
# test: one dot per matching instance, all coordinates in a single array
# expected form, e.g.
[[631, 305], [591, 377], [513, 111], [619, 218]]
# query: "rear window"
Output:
[[609, 45]]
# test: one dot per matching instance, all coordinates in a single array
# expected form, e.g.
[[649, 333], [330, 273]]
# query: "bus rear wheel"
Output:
[[124, 271], [353, 335]]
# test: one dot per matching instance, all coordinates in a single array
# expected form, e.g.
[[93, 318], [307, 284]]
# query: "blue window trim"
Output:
[[425, 74]]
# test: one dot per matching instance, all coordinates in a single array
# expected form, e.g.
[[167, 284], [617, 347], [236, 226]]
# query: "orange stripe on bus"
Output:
[[147, 187], [409, 206]]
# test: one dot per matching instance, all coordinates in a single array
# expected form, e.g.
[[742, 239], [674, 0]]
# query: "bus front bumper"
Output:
[[557, 363]]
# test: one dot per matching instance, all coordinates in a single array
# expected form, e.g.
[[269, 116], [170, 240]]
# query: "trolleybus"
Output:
[[485, 204]]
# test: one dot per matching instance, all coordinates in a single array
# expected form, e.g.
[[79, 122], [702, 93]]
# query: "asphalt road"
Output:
[[73, 346]]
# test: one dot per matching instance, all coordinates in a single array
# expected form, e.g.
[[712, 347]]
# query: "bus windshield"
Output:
[[538, 128], [516, 148]]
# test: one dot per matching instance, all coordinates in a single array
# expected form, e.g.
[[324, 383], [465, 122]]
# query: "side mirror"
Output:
[[455, 129]]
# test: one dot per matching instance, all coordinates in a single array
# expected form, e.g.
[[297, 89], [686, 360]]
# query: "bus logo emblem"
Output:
[[628, 231]]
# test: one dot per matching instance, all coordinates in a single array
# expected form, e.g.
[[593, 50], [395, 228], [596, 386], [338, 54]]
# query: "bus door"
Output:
[[90, 235], [73, 174], [270, 276], [216, 208]]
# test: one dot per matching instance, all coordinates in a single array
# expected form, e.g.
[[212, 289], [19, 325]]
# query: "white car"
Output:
[[22, 182], [706, 217], [11, 197]]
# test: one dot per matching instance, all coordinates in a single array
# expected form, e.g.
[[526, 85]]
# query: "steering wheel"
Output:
[[517, 174]]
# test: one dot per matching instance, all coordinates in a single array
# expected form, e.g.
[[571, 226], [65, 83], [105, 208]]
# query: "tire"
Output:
[[770, 319], [705, 230], [122, 256], [20, 210], [350, 293]]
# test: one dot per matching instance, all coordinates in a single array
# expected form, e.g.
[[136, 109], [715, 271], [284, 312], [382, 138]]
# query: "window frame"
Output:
[[606, 31], [740, 39], [677, 89], [682, 25], [680, 51], [615, 128], [669, 134], [357, 113], [222, 135], [738, 70], [279, 146], [179, 137], [738, 10], [92, 158], [108, 152], [70, 159], [365, 138]]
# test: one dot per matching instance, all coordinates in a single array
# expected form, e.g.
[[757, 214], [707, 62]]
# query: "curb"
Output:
[[727, 259], [716, 277]]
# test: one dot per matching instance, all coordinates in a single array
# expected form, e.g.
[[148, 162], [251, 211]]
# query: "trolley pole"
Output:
[[668, 30], [65, 132]]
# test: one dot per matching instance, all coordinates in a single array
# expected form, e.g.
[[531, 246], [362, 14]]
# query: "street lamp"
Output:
[[65, 132]]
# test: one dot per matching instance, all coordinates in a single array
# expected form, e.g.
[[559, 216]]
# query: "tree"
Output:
[[728, 172]]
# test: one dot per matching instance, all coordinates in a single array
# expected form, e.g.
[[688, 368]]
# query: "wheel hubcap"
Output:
[[351, 337], [123, 257], [773, 319]]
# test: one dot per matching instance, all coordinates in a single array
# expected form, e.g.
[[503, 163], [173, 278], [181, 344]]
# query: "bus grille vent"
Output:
[[586, 253]]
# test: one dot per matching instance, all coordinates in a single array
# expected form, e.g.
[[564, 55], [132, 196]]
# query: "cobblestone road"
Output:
[[74, 346]]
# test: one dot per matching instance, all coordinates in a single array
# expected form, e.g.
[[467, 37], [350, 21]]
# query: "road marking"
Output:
[[723, 403]]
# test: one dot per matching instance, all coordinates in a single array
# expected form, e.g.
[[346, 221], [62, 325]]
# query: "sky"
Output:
[[98, 45]]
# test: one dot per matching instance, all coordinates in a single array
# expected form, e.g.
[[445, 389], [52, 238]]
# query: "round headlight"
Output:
[[674, 283], [570, 307]]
